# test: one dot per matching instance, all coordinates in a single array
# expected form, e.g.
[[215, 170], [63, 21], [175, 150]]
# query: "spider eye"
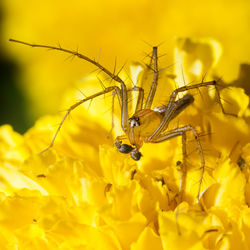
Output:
[[125, 148], [135, 155], [134, 122]]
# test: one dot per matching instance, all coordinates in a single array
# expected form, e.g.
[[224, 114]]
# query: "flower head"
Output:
[[83, 193]]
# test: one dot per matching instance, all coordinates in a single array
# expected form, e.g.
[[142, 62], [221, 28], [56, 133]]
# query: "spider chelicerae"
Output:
[[147, 124]]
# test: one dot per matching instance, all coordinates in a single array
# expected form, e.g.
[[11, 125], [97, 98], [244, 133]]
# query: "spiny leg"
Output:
[[179, 132], [139, 104], [194, 86], [220, 103], [170, 113], [183, 167], [185, 88], [152, 91], [112, 115], [124, 104], [145, 74], [176, 221], [140, 97], [173, 107], [108, 89], [74, 53]]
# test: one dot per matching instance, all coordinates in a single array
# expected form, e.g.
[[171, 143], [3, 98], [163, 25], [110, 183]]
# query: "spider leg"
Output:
[[182, 132], [182, 167], [220, 103], [71, 108], [139, 98], [112, 115], [175, 107], [123, 98], [74, 53], [152, 91], [145, 73], [170, 113], [194, 86], [185, 88], [138, 104]]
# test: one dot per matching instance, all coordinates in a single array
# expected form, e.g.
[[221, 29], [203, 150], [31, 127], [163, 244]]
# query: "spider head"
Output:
[[125, 149]]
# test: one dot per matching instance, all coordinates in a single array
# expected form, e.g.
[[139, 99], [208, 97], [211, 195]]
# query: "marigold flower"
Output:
[[84, 194]]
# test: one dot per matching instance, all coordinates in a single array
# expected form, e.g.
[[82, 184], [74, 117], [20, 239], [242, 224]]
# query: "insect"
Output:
[[147, 124]]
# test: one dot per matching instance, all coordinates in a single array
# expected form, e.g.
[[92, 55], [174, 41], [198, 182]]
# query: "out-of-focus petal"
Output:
[[222, 194], [197, 58]]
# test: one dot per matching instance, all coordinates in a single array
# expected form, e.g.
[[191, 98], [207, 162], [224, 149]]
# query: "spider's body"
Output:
[[147, 125], [141, 125], [145, 122]]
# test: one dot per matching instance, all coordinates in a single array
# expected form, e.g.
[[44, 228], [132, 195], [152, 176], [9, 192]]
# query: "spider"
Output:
[[146, 125]]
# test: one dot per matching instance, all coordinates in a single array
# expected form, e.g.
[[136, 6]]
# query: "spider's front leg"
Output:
[[74, 106], [182, 132], [139, 104], [121, 92]]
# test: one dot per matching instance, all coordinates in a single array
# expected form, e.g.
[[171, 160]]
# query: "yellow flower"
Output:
[[84, 194]]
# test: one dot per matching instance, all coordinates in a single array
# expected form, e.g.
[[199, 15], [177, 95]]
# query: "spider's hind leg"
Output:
[[220, 103], [197, 86], [182, 168]]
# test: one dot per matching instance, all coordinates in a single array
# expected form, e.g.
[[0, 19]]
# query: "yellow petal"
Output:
[[181, 230], [127, 231], [116, 167], [226, 174], [147, 240]]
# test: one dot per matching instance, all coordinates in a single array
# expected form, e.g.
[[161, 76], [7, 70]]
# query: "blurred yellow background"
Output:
[[34, 80]]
